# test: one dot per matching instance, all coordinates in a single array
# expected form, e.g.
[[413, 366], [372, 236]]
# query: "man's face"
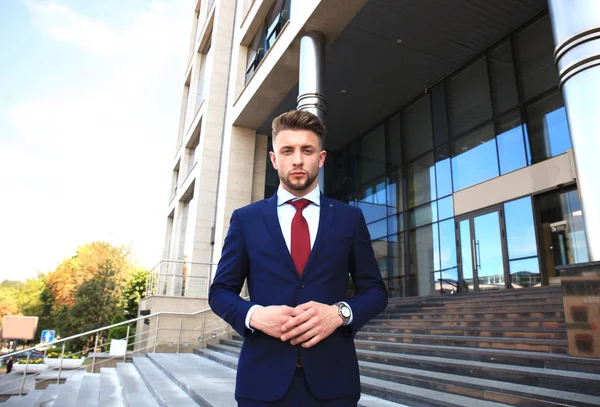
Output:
[[297, 157]]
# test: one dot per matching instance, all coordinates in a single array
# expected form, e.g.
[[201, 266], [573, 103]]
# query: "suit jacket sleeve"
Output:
[[371, 294], [224, 296]]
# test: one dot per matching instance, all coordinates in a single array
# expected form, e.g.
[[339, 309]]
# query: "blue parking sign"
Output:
[[47, 336]]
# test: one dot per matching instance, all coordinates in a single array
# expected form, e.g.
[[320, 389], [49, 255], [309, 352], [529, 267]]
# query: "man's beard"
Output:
[[301, 185]]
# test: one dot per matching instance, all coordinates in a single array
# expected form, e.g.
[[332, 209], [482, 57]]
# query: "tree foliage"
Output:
[[133, 292]]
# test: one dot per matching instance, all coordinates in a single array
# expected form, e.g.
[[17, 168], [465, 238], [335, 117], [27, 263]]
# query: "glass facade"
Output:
[[499, 113]]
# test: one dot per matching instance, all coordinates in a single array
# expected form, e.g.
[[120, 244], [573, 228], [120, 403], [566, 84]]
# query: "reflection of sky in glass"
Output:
[[530, 265], [511, 150], [444, 178], [432, 190], [465, 249], [436, 248], [488, 245], [557, 131], [475, 165], [520, 230], [445, 208], [378, 229], [447, 244]]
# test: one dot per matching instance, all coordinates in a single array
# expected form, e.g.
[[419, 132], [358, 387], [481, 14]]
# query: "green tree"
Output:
[[8, 300], [133, 292]]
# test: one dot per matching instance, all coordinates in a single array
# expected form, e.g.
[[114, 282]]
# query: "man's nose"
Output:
[[298, 157]]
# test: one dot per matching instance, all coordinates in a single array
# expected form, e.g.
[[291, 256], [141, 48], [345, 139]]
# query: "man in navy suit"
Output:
[[296, 250]]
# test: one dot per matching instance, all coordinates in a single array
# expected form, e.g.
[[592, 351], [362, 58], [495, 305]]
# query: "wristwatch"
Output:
[[344, 311]]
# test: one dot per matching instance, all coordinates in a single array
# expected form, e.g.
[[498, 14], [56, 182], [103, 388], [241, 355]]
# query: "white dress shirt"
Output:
[[285, 213]]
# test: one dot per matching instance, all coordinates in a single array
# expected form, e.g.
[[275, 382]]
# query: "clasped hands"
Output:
[[305, 324]]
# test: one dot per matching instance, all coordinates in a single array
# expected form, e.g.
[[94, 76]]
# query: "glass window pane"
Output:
[[371, 158], [416, 128], [373, 201], [378, 229], [511, 147], [466, 255], [421, 182], [443, 172], [547, 128], [445, 208], [447, 244], [488, 246], [469, 102], [520, 230], [394, 193], [525, 273], [440, 114], [397, 286], [504, 85], [422, 249], [446, 282], [535, 58], [380, 249], [474, 158], [395, 223], [422, 215]]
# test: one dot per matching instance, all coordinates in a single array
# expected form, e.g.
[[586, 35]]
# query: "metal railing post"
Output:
[[62, 355], [24, 374], [156, 334], [94, 356], [127, 344], [179, 334]]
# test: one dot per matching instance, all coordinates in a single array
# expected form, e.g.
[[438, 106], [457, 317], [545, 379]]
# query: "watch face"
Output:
[[345, 312]]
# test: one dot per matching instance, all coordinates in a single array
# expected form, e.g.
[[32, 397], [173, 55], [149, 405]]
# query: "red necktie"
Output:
[[300, 235]]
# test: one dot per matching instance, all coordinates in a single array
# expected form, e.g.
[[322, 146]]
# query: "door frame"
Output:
[[470, 216]]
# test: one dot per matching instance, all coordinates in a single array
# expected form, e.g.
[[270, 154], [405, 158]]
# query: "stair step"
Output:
[[539, 345], [164, 390], [227, 348], [504, 356], [475, 315], [417, 396], [484, 389], [552, 304], [367, 400], [484, 332], [219, 357], [112, 391], [134, 389], [48, 396], [503, 295], [89, 391], [538, 377], [208, 383], [26, 400], [67, 392], [498, 323]]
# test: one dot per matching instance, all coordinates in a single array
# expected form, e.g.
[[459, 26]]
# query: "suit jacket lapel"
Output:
[[325, 217], [272, 221]]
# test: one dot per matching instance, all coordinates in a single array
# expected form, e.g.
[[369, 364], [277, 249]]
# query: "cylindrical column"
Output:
[[576, 28], [311, 83]]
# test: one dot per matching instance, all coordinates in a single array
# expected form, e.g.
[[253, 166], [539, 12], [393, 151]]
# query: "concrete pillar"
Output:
[[311, 82], [576, 29]]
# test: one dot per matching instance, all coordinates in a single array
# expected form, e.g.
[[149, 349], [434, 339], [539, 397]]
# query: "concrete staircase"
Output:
[[498, 349], [504, 348]]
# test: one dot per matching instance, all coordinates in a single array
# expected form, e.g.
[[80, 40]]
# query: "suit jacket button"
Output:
[[301, 285]]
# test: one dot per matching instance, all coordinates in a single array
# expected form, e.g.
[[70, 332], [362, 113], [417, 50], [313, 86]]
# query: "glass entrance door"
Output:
[[481, 242]]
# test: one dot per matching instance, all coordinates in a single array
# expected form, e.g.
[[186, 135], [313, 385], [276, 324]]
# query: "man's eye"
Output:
[[286, 151], [308, 151]]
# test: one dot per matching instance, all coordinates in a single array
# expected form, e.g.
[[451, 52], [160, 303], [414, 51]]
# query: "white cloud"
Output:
[[92, 161]]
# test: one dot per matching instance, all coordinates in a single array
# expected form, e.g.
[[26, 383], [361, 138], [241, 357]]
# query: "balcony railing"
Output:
[[179, 278]]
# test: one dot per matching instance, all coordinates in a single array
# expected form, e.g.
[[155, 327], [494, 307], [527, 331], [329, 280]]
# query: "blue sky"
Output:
[[90, 93]]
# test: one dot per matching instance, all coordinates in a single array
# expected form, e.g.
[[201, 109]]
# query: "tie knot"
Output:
[[299, 204]]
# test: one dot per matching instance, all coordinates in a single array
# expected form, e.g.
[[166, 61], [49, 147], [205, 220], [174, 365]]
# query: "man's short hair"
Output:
[[298, 120]]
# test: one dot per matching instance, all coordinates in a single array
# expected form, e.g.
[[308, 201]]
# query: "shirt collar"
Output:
[[313, 196]]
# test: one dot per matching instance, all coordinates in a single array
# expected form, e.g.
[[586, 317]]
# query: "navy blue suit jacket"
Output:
[[255, 250]]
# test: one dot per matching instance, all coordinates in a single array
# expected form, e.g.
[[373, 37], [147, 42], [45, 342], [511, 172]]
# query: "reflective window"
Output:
[[525, 273], [520, 230], [378, 229], [443, 172], [395, 223], [256, 52], [416, 128], [276, 18], [399, 284], [535, 58], [474, 158], [421, 182], [394, 193], [445, 208], [372, 201], [510, 139], [547, 128], [446, 282], [422, 215], [502, 73], [371, 161], [447, 244], [466, 255], [423, 244], [469, 98], [392, 131]]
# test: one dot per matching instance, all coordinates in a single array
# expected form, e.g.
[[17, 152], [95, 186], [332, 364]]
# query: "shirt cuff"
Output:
[[249, 315], [351, 313]]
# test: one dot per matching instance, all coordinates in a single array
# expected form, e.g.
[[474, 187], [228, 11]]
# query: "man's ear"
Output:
[[273, 158]]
